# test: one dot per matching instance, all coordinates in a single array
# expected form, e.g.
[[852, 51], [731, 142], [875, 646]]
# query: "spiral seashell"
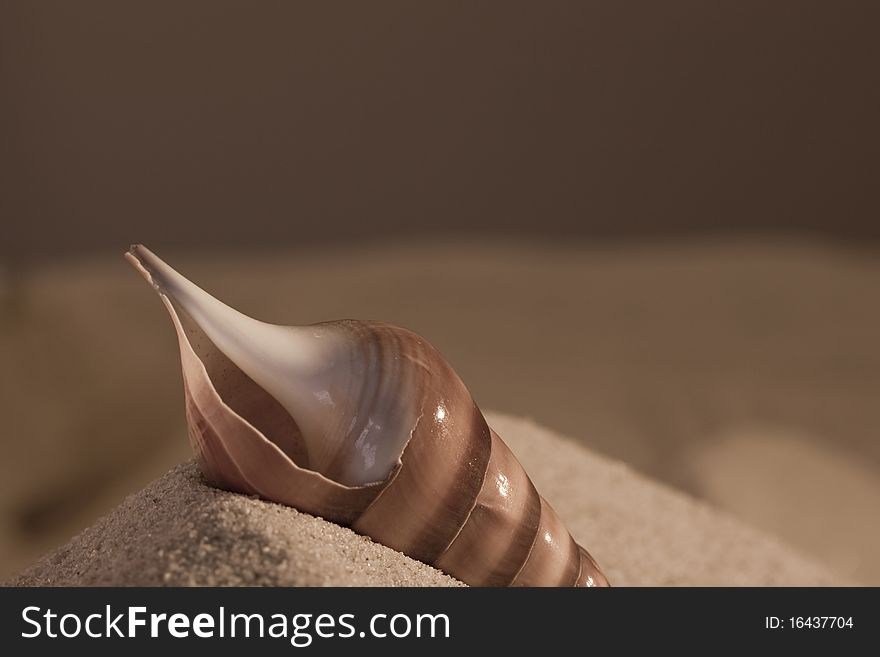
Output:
[[366, 425]]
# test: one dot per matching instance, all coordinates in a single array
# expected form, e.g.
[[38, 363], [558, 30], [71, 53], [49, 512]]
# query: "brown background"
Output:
[[651, 226], [224, 122]]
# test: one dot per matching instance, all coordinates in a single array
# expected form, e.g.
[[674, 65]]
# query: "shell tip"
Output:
[[134, 255]]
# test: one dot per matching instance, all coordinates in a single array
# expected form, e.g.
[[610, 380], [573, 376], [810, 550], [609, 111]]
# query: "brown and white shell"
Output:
[[364, 424]]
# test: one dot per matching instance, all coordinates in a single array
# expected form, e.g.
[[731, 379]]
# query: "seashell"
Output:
[[366, 425]]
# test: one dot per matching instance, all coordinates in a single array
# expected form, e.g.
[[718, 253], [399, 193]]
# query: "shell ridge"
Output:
[[471, 511]]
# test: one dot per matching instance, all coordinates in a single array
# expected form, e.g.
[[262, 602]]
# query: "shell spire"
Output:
[[299, 366], [364, 424]]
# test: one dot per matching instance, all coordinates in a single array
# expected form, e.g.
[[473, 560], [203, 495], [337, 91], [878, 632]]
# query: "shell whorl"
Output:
[[446, 490]]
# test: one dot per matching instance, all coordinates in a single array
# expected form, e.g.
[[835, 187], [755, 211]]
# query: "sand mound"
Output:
[[178, 531]]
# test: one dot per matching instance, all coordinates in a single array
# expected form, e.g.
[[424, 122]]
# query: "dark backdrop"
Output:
[[206, 123]]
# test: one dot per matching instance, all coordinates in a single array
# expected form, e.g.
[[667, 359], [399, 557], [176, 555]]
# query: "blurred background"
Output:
[[650, 226]]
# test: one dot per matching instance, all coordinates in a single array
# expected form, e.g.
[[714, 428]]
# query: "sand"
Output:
[[179, 531]]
